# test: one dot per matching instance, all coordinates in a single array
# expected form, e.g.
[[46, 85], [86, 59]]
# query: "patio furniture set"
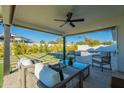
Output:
[[100, 57], [59, 75], [48, 76]]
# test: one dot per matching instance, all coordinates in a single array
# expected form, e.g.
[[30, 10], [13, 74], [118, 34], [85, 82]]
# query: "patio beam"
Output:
[[64, 48], [6, 49]]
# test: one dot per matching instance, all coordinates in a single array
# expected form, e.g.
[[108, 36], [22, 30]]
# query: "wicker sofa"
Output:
[[29, 79]]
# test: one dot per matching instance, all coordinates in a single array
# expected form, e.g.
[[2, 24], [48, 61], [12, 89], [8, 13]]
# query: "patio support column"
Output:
[[64, 48], [120, 47], [6, 49]]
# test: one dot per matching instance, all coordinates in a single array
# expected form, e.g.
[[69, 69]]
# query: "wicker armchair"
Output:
[[29, 80], [103, 59]]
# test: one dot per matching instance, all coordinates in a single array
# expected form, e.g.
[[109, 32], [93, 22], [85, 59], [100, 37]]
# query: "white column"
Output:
[[6, 49], [120, 47]]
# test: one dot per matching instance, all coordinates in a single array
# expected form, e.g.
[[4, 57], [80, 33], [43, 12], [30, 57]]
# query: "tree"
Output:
[[91, 42], [60, 47], [59, 40], [107, 43], [42, 41], [80, 43], [41, 47], [46, 48], [35, 48], [29, 50], [71, 47], [16, 48], [52, 42], [51, 49], [79, 37], [24, 48], [96, 43]]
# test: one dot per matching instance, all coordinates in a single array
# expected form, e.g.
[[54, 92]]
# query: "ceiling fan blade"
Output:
[[59, 20], [63, 24], [72, 24], [69, 16], [77, 20]]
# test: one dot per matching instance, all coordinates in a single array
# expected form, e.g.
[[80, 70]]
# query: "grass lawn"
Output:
[[43, 57], [1, 75], [14, 59]]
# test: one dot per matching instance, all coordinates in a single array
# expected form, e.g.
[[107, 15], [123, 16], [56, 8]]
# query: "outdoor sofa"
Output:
[[42, 76]]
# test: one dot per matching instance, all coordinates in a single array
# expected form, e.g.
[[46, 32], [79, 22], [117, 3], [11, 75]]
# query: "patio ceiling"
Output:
[[41, 17]]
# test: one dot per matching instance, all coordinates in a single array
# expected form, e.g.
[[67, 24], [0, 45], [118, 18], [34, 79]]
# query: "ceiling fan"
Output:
[[69, 20]]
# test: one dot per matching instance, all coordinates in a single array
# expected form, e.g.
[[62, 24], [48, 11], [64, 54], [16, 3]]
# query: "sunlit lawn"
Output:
[[14, 59], [43, 57], [1, 74]]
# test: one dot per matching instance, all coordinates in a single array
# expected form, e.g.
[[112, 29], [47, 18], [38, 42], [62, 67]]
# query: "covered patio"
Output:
[[41, 18]]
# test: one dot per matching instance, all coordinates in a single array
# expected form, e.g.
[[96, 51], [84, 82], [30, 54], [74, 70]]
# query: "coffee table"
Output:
[[69, 71], [85, 68]]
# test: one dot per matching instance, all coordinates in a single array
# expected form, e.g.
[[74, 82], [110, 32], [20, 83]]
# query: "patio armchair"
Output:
[[104, 58], [29, 79]]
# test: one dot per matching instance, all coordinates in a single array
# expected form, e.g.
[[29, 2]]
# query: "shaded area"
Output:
[[96, 79]]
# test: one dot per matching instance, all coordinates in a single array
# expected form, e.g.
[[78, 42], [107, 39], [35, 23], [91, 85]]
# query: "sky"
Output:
[[105, 35]]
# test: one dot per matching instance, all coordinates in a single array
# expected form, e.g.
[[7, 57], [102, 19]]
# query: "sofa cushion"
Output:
[[46, 75], [38, 68], [25, 61]]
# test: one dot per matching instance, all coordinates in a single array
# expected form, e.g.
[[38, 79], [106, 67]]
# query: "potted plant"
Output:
[[70, 58]]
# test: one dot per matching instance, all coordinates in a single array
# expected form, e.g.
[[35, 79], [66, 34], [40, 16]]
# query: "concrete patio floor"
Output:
[[96, 79], [12, 81]]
